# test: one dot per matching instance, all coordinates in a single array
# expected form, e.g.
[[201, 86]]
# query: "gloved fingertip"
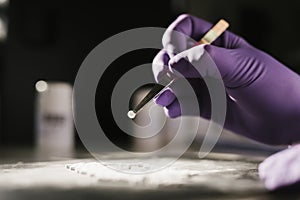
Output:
[[173, 110], [165, 98]]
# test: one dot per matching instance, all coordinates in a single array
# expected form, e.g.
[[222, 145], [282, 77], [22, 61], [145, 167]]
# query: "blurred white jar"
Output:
[[54, 127]]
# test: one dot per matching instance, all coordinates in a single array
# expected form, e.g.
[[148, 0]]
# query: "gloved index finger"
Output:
[[160, 65]]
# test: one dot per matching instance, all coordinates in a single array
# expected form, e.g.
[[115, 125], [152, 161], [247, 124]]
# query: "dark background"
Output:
[[50, 39]]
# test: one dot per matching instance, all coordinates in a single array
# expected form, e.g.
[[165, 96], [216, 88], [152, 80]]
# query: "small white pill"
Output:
[[131, 114]]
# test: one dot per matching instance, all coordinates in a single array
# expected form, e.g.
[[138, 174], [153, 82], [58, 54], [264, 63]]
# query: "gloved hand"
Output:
[[263, 95], [281, 169]]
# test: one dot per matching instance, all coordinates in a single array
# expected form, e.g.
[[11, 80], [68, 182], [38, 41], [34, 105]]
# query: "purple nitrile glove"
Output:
[[281, 169], [263, 95]]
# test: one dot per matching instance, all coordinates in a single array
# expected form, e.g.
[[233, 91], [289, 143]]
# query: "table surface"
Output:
[[218, 176]]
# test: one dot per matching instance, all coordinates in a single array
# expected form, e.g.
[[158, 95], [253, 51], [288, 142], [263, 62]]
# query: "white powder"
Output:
[[180, 173]]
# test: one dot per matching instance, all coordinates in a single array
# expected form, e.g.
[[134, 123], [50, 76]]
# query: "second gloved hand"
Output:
[[281, 169]]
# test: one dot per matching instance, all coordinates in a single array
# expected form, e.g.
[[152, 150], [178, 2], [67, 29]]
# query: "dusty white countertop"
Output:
[[218, 176]]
